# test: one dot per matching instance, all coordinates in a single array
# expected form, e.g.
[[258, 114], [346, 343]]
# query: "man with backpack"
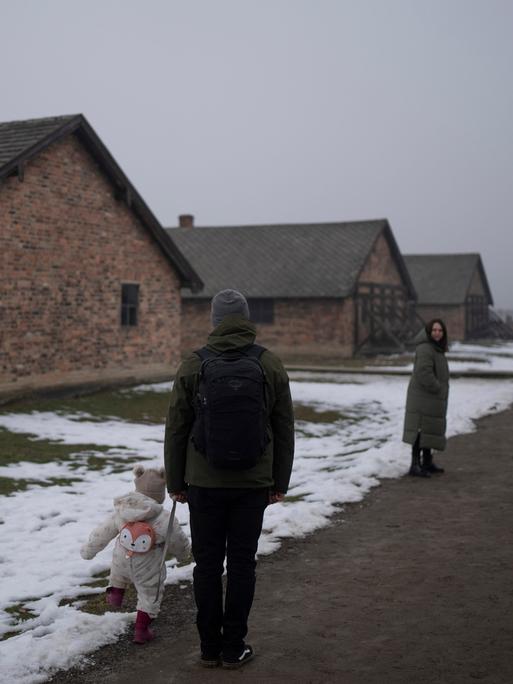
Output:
[[229, 447]]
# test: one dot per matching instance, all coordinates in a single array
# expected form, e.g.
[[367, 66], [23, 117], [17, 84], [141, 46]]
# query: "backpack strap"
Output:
[[204, 353], [255, 351]]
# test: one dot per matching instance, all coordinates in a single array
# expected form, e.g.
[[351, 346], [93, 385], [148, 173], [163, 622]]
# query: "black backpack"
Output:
[[230, 407]]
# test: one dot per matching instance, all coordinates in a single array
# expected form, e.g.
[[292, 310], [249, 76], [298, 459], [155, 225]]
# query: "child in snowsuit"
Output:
[[138, 550]]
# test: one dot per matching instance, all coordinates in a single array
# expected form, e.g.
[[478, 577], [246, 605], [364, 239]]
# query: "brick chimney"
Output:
[[186, 221]]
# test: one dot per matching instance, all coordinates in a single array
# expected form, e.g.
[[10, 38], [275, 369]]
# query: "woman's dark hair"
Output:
[[444, 342]]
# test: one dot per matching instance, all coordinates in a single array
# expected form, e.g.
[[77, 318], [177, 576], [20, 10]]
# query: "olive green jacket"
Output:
[[185, 465], [428, 392]]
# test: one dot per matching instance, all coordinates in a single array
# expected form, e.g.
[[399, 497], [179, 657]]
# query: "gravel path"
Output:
[[413, 586]]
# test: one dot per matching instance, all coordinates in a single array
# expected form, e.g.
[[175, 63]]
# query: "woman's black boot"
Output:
[[427, 462], [416, 470]]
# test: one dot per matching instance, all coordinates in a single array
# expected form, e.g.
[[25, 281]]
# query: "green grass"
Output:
[[96, 603], [142, 407], [294, 498], [309, 414], [139, 407], [20, 614], [115, 464], [10, 485], [16, 447]]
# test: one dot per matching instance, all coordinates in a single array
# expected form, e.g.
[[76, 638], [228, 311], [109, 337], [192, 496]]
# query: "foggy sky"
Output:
[[283, 111]]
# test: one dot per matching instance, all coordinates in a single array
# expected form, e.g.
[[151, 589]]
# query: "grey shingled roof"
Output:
[[16, 137], [20, 141], [444, 278], [298, 260]]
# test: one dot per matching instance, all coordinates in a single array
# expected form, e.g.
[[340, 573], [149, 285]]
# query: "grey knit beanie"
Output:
[[151, 482], [228, 303]]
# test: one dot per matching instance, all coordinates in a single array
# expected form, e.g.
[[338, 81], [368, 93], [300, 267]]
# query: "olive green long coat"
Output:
[[428, 392]]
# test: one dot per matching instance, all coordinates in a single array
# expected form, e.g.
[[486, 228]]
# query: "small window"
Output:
[[261, 310], [129, 304]]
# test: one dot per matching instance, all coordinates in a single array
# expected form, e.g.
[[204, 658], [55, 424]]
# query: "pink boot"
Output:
[[114, 596], [143, 632]]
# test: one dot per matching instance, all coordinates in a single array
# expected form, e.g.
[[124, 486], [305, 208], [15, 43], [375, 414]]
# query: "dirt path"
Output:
[[413, 586]]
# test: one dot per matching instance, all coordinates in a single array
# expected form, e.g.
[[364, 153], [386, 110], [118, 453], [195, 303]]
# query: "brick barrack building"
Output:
[[90, 282], [454, 287], [316, 291]]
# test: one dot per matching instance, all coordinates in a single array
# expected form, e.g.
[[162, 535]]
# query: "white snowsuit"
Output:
[[142, 570]]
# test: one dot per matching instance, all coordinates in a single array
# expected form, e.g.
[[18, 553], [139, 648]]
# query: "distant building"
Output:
[[90, 282], [506, 315], [455, 288], [316, 291]]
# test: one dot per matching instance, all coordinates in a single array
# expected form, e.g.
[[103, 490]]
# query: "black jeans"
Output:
[[225, 522]]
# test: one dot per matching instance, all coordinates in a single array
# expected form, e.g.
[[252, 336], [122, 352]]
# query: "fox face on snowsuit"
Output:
[[141, 568]]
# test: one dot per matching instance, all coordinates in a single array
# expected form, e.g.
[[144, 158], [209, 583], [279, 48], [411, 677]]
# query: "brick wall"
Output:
[[196, 324], [476, 286], [303, 328], [310, 328], [66, 246], [452, 316], [380, 267]]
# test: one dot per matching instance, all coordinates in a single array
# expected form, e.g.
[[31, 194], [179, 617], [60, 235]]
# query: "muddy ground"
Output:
[[413, 586]]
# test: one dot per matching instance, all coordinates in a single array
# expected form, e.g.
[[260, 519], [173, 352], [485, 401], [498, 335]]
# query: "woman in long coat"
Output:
[[426, 402]]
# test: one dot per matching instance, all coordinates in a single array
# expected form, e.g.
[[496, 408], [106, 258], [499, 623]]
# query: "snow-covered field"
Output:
[[471, 359], [348, 437]]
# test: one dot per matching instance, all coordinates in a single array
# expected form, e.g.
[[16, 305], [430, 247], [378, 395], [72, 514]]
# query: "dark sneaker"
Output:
[[210, 659], [240, 660]]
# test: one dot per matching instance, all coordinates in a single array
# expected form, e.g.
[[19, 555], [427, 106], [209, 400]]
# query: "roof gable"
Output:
[[20, 141], [397, 258], [445, 278], [281, 261]]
